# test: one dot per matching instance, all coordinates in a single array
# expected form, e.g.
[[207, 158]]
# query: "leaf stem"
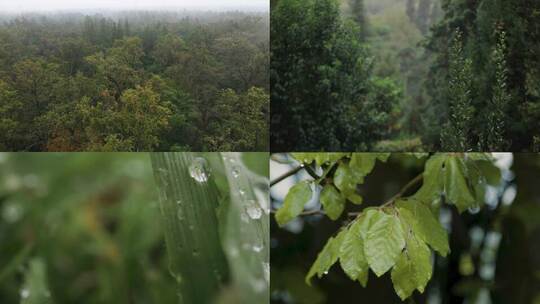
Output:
[[404, 190]]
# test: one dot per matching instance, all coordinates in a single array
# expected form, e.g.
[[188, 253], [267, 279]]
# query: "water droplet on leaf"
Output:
[[254, 210], [25, 293], [199, 170]]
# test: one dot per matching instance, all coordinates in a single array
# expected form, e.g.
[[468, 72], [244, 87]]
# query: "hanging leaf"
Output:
[[384, 242], [456, 187], [433, 181], [327, 257], [297, 197], [352, 257], [413, 268], [332, 201], [424, 224]]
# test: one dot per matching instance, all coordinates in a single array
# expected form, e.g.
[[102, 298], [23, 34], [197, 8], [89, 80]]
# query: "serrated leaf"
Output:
[[433, 182], [295, 200], [384, 242], [333, 202], [424, 224], [413, 268], [327, 257], [352, 258], [346, 179], [456, 187]]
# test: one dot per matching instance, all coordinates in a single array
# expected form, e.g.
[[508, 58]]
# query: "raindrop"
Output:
[[234, 252], [326, 272], [195, 253], [178, 202], [180, 214], [191, 227], [235, 172], [258, 285], [199, 170], [257, 248], [254, 210], [474, 210], [266, 270], [25, 293], [242, 192]]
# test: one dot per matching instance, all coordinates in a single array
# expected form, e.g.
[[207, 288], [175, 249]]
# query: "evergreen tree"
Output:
[[495, 137], [456, 135]]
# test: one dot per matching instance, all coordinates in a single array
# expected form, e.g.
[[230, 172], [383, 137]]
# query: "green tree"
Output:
[[457, 133], [496, 139]]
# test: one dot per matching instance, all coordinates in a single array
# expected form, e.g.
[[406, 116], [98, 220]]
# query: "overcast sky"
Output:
[[46, 5]]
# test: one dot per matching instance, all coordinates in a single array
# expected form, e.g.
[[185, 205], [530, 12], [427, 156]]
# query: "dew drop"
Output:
[[199, 170], [235, 172], [266, 271], [254, 210], [25, 293], [195, 253], [242, 192], [180, 214], [326, 272], [257, 248], [191, 227], [258, 285]]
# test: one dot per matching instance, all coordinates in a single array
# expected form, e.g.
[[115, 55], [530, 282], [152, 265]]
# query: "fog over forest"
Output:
[[13, 6]]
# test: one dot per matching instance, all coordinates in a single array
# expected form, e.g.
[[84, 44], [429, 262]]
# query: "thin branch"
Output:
[[287, 174], [404, 190], [306, 213]]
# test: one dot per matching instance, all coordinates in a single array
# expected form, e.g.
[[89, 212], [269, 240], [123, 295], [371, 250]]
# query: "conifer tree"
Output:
[[495, 137], [456, 135]]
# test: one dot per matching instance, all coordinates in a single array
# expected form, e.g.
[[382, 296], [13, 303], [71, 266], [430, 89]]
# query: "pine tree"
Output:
[[359, 16], [456, 135], [495, 137]]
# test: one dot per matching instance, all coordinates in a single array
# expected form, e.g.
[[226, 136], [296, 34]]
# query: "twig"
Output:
[[287, 174], [404, 190]]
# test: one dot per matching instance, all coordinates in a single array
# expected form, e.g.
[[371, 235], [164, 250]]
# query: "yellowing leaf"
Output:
[[294, 203]]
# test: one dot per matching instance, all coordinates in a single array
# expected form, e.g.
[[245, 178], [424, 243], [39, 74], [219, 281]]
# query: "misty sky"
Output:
[[47, 5]]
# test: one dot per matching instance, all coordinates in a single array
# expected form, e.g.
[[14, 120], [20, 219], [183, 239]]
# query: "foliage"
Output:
[[399, 235], [75, 82], [321, 69]]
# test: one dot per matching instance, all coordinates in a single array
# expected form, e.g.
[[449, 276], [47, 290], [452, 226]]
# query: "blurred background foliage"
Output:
[[494, 251], [81, 228]]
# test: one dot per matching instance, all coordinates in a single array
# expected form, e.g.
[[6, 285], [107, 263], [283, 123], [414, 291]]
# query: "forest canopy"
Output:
[[134, 81]]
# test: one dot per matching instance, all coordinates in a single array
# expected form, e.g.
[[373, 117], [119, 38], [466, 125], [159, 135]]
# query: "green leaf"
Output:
[[352, 258], [433, 181], [456, 187], [424, 224], [491, 172], [319, 158], [332, 201], [294, 203], [384, 242], [355, 198], [327, 257], [346, 179], [413, 268], [363, 163]]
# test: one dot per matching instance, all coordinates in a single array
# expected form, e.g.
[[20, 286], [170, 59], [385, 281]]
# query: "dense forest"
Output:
[[388, 75], [134, 81]]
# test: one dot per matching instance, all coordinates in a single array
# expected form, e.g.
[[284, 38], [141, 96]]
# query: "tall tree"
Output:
[[456, 135], [359, 16]]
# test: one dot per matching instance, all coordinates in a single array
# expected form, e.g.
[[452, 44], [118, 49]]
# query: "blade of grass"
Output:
[[35, 289], [188, 212], [245, 229]]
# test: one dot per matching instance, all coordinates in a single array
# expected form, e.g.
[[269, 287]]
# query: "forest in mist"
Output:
[[134, 81], [405, 75]]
